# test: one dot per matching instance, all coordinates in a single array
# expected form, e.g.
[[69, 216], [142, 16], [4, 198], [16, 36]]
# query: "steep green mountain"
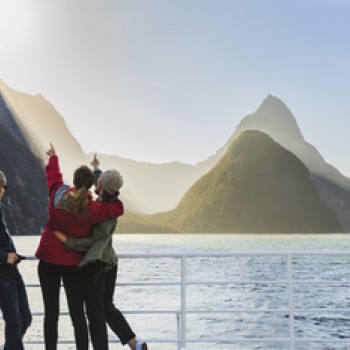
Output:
[[257, 186], [275, 119]]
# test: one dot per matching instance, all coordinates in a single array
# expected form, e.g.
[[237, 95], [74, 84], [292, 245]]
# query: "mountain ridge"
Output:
[[257, 187], [152, 188]]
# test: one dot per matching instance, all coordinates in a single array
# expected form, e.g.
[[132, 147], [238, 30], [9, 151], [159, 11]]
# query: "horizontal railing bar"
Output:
[[335, 253], [237, 282], [224, 254], [296, 310], [214, 340], [171, 283], [192, 312], [237, 340], [265, 340], [230, 311], [114, 341], [200, 255], [148, 283], [323, 310], [130, 312], [320, 282], [317, 340]]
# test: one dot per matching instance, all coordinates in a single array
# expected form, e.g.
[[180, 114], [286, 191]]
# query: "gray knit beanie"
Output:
[[3, 180], [111, 181]]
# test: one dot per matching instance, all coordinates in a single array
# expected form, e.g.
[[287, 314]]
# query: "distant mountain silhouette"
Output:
[[7, 122], [33, 121], [257, 186], [41, 124], [150, 188], [26, 197]]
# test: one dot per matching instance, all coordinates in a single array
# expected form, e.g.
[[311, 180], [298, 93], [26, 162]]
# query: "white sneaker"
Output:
[[141, 346]]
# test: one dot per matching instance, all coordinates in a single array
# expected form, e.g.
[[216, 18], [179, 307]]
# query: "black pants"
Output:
[[100, 286], [15, 308], [50, 277], [94, 285]]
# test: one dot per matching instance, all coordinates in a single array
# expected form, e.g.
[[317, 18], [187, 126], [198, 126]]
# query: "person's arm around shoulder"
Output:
[[100, 211], [83, 244]]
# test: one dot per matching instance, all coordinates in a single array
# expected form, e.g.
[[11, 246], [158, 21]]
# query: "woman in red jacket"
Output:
[[73, 212]]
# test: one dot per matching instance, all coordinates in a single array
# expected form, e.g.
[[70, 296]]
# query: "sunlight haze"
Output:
[[163, 81]]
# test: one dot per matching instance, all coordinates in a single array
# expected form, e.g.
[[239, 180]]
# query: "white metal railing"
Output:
[[181, 315]]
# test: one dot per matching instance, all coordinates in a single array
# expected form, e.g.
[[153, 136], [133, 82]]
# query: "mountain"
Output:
[[148, 187], [257, 186], [26, 197], [275, 119], [151, 188], [41, 124]]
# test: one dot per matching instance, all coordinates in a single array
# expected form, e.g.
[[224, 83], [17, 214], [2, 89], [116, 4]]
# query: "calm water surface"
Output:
[[262, 295]]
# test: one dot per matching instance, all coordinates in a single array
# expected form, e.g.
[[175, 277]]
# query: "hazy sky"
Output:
[[163, 80]]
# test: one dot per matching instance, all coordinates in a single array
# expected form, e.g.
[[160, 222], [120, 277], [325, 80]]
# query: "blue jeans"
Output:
[[15, 308]]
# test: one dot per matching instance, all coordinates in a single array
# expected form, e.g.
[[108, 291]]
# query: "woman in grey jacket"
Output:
[[99, 267]]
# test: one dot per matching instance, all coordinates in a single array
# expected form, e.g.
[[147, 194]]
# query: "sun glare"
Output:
[[17, 22]]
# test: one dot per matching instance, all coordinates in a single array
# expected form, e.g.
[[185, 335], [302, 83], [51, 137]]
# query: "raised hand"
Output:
[[50, 152], [95, 162]]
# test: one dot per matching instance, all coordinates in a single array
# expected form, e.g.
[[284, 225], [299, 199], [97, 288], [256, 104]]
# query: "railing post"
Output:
[[291, 301], [178, 324], [183, 301]]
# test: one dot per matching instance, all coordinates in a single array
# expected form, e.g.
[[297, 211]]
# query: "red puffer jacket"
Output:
[[51, 250]]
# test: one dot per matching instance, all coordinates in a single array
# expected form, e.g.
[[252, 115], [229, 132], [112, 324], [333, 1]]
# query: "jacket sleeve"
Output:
[[53, 175], [100, 231], [97, 174], [80, 244], [101, 211], [3, 257]]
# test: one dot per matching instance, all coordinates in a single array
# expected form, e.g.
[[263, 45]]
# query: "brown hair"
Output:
[[77, 199]]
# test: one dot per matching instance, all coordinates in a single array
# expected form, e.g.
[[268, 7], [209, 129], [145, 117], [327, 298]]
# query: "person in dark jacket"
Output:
[[13, 297], [99, 267], [73, 211]]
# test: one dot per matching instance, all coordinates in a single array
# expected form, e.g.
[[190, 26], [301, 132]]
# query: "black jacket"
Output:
[[6, 243]]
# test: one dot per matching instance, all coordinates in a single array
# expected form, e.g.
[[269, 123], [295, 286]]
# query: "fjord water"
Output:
[[262, 295]]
